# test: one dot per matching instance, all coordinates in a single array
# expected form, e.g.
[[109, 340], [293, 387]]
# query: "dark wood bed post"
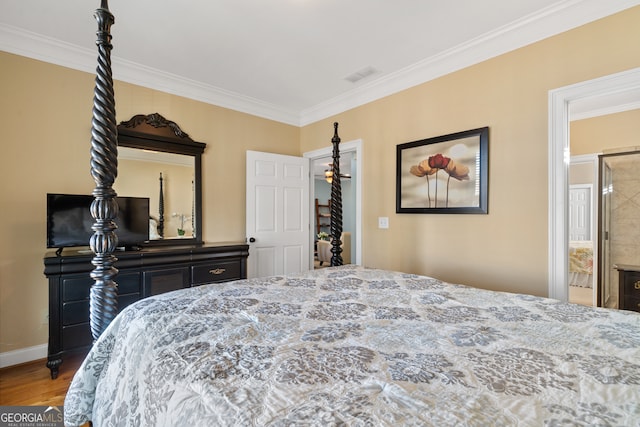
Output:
[[336, 202], [161, 209], [103, 303]]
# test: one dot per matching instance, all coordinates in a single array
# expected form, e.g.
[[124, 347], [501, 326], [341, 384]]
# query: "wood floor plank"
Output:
[[30, 384]]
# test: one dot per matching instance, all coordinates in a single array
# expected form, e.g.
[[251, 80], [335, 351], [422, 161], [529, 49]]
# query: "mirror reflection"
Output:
[[167, 179]]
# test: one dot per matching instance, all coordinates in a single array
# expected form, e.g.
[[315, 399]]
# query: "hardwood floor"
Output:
[[30, 384], [580, 295]]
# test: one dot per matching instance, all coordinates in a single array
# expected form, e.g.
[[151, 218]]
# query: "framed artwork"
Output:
[[444, 175]]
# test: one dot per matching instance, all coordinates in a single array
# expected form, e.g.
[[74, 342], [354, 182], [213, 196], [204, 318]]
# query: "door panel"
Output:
[[277, 214], [292, 258], [293, 221], [266, 203]]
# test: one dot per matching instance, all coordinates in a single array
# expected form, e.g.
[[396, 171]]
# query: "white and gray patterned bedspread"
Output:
[[351, 346]]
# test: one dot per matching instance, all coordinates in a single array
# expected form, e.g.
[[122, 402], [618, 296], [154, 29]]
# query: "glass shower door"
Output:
[[605, 266]]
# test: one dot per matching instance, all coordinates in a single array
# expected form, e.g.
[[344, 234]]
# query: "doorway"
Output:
[[583, 229], [318, 160], [620, 90]]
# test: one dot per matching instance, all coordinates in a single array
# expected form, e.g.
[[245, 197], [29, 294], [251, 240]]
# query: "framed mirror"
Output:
[[157, 160]]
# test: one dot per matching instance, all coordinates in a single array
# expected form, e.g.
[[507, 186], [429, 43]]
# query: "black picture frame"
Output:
[[446, 174]]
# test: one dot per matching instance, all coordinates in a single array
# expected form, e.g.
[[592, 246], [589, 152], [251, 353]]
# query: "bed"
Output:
[[581, 263], [340, 346], [356, 346]]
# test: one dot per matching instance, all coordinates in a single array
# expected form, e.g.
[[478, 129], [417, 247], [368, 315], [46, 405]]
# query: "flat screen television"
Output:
[[69, 220]]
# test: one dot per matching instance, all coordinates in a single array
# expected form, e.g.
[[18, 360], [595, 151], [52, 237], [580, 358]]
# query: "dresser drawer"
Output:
[[74, 312], [220, 271], [631, 285], [77, 288], [128, 283], [631, 303], [75, 336]]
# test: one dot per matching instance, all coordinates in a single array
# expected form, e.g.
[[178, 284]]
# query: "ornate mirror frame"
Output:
[[154, 132]]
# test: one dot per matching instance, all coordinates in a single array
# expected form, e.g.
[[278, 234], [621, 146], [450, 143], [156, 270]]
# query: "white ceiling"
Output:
[[288, 60]]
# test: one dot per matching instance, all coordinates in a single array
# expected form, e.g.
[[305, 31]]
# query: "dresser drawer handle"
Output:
[[637, 284], [218, 271]]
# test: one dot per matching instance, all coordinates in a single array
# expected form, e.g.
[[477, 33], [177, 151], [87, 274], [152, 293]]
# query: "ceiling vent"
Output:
[[361, 74]]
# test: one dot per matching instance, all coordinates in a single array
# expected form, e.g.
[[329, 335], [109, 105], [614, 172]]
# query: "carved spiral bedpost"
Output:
[[193, 207], [161, 209], [103, 305], [336, 202]]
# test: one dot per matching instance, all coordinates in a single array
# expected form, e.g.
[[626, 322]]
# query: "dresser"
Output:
[[149, 271], [629, 287]]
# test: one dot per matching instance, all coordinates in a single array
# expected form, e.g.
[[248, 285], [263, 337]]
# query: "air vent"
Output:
[[361, 74]]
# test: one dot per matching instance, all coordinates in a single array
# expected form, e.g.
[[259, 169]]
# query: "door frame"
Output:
[[354, 146], [559, 153]]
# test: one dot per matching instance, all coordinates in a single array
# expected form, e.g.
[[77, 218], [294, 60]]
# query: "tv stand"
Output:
[[142, 273]]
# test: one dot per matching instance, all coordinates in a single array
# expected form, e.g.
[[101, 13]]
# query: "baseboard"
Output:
[[23, 355]]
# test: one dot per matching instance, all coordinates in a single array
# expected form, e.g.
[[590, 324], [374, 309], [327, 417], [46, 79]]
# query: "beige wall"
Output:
[[597, 135], [609, 132], [46, 124], [508, 248], [46, 118]]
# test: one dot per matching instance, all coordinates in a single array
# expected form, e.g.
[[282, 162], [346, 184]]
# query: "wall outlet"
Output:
[[383, 222]]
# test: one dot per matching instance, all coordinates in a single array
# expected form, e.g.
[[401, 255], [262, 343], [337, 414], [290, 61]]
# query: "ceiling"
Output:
[[288, 60]]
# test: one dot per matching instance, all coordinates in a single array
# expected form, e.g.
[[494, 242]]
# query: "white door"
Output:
[[580, 212], [277, 221]]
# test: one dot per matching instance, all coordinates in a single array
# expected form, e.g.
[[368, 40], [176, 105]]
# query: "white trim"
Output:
[[559, 100], [557, 18], [605, 111], [585, 158], [351, 146], [23, 355], [36, 46]]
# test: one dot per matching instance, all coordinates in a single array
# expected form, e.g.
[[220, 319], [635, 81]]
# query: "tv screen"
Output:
[[69, 220]]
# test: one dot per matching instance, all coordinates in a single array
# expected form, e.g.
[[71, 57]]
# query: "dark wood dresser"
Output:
[[149, 271], [629, 287]]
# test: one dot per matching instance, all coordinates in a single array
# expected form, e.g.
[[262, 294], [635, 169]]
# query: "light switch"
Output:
[[383, 222]]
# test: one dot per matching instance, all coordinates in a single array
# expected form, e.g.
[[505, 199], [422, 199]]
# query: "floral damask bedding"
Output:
[[354, 346]]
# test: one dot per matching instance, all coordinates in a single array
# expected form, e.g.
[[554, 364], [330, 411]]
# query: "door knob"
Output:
[[252, 239]]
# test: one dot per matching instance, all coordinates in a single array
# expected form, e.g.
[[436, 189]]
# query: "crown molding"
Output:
[[131, 72], [542, 24], [545, 23], [35, 46], [32, 45]]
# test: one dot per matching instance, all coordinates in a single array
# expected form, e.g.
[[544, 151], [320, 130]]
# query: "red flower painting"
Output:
[[433, 165]]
